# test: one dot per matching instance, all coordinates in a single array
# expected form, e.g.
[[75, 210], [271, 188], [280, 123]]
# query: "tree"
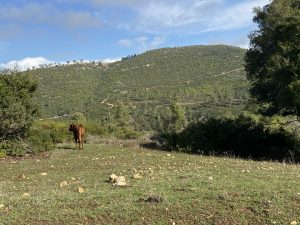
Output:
[[178, 120], [273, 59], [78, 117], [122, 116], [17, 108]]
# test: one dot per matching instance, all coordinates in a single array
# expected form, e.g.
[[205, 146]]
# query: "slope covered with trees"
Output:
[[205, 80]]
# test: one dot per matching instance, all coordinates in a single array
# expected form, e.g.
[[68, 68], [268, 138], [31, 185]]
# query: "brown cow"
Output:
[[78, 132]]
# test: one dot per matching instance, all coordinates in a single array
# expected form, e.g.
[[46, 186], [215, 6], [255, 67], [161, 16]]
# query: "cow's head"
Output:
[[72, 127]]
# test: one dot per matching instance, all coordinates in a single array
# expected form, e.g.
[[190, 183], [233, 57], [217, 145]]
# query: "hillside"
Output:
[[206, 80]]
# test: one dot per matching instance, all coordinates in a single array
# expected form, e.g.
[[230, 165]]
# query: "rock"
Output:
[[137, 176], [81, 190], [117, 180], [294, 222], [121, 181], [113, 178], [25, 195], [22, 176], [64, 183]]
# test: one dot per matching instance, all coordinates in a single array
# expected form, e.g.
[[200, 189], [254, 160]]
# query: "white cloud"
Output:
[[36, 62], [242, 42], [159, 17], [194, 16], [142, 43], [26, 63], [110, 60], [236, 16], [47, 14]]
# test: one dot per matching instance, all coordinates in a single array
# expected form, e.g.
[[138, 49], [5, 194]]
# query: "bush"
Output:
[[242, 137], [40, 141], [58, 129], [2, 153], [96, 128], [14, 147], [127, 133], [36, 141], [17, 108], [78, 117]]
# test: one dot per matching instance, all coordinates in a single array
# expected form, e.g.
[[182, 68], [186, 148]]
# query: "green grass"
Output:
[[194, 189]]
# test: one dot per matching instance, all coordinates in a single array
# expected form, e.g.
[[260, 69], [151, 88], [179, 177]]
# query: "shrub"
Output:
[[58, 129], [242, 137], [40, 141], [17, 108], [78, 117], [96, 128], [2, 153], [17, 147], [36, 141], [127, 133]]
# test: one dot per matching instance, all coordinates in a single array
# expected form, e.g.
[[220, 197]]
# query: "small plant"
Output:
[[2, 153]]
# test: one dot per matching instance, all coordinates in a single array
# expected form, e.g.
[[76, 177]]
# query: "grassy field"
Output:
[[191, 189]]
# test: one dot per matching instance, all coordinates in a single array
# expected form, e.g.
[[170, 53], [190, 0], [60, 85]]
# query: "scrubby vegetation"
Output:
[[194, 97], [240, 137], [204, 80]]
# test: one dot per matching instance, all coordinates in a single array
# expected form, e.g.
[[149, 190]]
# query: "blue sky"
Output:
[[38, 31]]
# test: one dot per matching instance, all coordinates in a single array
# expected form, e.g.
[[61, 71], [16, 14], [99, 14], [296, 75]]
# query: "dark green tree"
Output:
[[17, 107], [178, 120], [273, 59], [122, 116]]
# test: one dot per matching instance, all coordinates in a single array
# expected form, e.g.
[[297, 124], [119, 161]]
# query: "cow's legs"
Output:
[[77, 142], [80, 144]]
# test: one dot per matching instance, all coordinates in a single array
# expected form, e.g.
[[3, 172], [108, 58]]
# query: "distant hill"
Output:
[[206, 80]]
